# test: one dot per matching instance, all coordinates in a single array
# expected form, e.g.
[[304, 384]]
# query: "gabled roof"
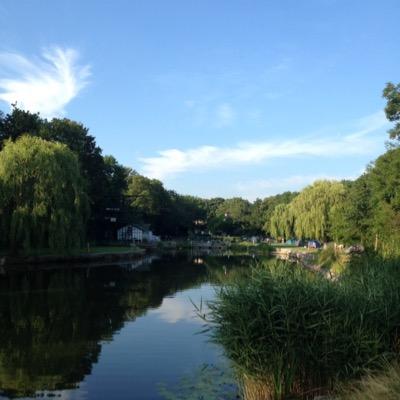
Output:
[[143, 228]]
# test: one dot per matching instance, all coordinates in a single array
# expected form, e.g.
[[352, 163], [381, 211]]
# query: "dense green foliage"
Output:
[[370, 211], [42, 198], [351, 217], [312, 209], [392, 94], [267, 208], [148, 199], [297, 332], [237, 216], [167, 212], [365, 211], [308, 215], [18, 123], [93, 168], [76, 137], [282, 222]]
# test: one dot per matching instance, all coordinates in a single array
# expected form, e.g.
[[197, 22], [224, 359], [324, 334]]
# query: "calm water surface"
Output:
[[125, 331]]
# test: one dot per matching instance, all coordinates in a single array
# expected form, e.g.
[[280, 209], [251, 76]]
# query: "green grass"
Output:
[[333, 259], [284, 245], [77, 252], [290, 332], [242, 246], [111, 249]]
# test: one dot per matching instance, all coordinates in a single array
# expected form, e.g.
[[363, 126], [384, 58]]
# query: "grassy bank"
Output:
[[111, 249], [96, 253], [250, 247], [290, 332], [75, 252]]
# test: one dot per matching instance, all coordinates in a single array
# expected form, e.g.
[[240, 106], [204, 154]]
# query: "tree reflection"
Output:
[[54, 321]]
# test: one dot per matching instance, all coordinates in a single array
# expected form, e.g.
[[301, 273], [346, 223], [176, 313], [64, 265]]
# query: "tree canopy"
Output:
[[76, 136], [392, 94], [370, 212], [43, 201], [281, 223], [267, 213], [148, 199], [309, 215], [313, 209], [18, 122]]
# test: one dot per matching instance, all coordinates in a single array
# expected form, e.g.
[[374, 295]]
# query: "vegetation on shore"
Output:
[[290, 332], [87, 250], [383, 385], [42, 198], [250, 247]]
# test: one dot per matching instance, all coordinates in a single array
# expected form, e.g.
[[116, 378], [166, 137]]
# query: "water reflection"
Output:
[[181, 306], [54, 322]]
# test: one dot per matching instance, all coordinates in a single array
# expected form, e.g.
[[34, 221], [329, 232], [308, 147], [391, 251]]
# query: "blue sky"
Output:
[[215, 98]]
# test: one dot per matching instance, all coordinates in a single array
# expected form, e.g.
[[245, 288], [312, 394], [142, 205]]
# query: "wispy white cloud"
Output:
[[174, 310], [369, 123], [219, 99], [44, 85], [180, 308], [174, 161]]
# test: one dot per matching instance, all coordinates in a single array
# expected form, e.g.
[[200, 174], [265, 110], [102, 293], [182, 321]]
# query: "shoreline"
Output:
[[7, 261]]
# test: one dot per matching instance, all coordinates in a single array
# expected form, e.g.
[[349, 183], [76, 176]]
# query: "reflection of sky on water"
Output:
[[181, 307], [159, 347]]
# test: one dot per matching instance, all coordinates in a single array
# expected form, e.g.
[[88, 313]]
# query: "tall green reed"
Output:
[[295, 333]]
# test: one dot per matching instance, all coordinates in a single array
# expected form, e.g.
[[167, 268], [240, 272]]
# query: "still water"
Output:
[[126, 331]]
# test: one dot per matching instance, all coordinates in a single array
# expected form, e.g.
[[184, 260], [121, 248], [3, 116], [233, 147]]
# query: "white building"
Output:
[[130, 233], [150, 237], [136, 234]]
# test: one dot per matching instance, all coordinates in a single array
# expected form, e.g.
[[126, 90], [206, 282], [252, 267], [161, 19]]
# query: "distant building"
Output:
[[148, 236], [130, 233], [136, 234]]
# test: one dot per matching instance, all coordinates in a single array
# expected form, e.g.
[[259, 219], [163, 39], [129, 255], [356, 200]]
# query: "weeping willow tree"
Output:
[[313, 207], [282, 221], [42, 196]]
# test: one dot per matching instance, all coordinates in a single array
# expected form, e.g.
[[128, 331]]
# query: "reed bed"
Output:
[[292, 333], [384, 385]]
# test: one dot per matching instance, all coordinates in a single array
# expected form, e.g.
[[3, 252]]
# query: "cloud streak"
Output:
[[171, 162], [44, 85]]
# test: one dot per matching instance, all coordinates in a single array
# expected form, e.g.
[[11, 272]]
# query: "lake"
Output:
[[124, 331]]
